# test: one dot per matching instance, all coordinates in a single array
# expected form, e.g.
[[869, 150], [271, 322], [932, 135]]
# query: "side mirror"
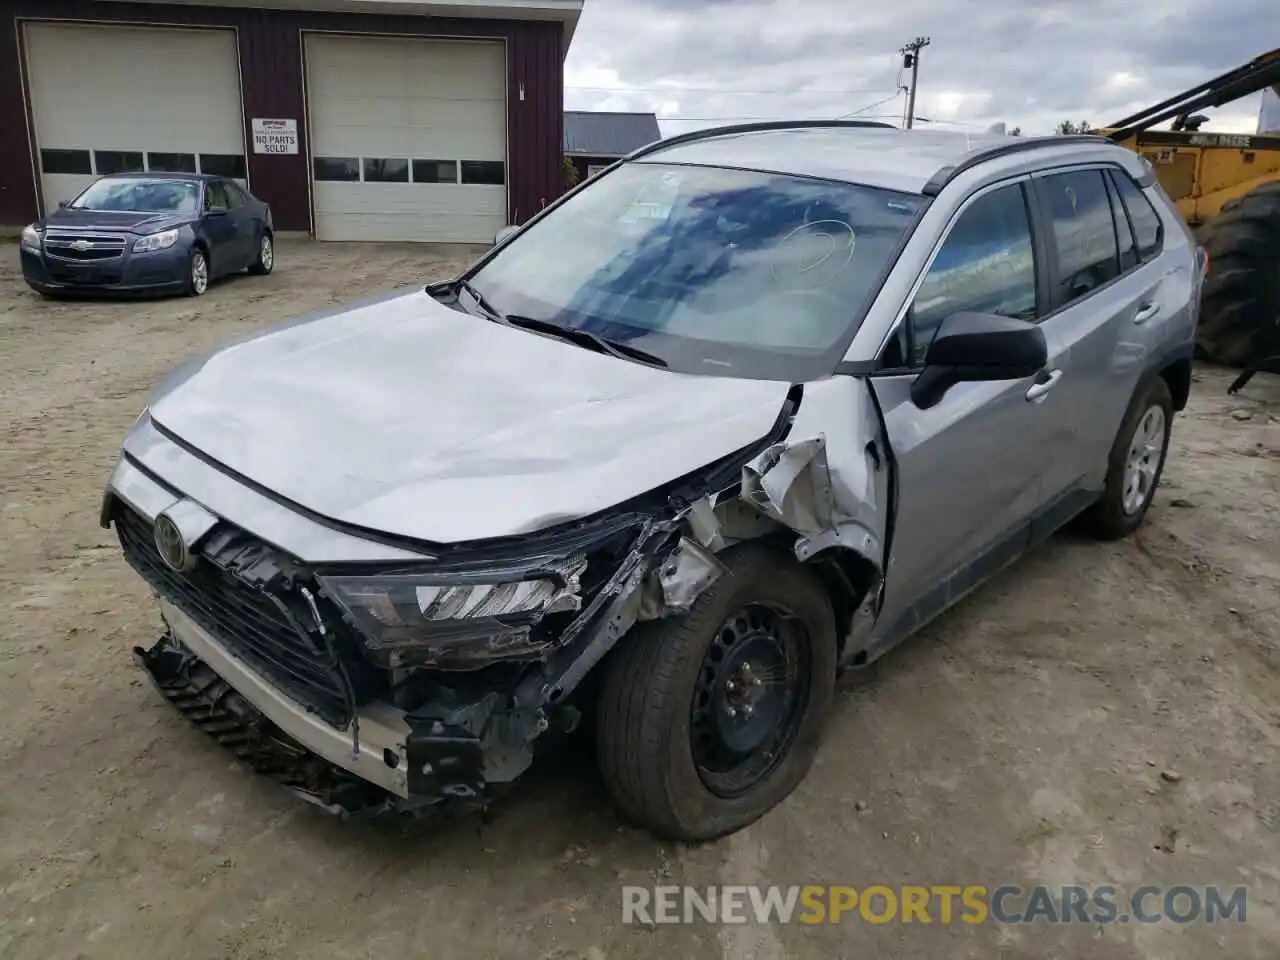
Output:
[[63, 204], [216, 212], [505, 234], [972, 347]]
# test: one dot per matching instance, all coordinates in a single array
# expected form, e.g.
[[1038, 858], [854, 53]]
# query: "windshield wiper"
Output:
[[480, 300], [582, 338]]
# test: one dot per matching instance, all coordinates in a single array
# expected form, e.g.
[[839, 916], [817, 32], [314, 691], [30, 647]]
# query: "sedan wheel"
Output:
[[266, 258], [198, 278]]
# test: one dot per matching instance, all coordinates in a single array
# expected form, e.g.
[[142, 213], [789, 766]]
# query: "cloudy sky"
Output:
[[1029, 64]]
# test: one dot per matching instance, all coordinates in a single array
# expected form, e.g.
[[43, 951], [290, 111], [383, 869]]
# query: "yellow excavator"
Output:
[[1227, 187]]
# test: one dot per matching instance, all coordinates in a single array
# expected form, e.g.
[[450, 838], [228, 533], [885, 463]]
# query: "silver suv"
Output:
[[744, 410]]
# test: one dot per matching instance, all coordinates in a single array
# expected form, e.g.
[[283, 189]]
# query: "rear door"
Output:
[[970, 468], [245, 216], [1103, 300]]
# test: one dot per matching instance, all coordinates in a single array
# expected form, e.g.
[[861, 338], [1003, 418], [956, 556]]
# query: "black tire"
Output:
[[1108, 519], [265, 259], [1240, 306], [644, 731], [194, 286]]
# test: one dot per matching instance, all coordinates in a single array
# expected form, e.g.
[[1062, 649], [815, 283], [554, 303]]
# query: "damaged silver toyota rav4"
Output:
[[746, 409]]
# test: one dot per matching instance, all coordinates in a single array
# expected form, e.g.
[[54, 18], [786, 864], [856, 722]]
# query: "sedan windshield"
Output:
[[731, 272], [140, 195]]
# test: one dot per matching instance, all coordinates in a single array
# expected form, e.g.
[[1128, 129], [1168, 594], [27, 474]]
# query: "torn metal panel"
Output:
[[674, 584], [830, 483], [790, 482]]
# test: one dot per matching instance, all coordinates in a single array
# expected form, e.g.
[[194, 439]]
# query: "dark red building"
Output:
[[354, 119]]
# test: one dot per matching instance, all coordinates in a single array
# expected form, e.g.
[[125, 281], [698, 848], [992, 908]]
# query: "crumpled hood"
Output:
[[405, 416], [139, 223]]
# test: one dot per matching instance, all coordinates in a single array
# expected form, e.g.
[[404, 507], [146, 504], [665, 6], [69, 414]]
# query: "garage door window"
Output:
[[118, 161], [483, 171], [76, 162], [171, 162], [384, 170], [230, 165], [343, 169], [435, 171]]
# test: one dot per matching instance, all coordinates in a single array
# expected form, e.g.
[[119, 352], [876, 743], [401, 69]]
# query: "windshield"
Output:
[[140, 196], [717, 271]]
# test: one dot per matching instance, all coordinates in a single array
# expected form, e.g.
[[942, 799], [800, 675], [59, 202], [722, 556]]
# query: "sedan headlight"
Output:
[[156, 241], [459, 620], [31, 239]]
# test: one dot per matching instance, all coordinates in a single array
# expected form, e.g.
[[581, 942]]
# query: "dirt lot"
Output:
[[1021, 740]]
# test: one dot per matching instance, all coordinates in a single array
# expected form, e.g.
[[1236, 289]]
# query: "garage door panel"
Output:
[[388, 199], [146, 79], [407, 99], [152, 89], [442, 140]]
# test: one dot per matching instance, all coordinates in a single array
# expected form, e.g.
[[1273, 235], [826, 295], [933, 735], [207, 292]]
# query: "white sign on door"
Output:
[[275, 136]]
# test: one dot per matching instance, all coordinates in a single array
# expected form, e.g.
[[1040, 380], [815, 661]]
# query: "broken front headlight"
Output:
[[453, 620]]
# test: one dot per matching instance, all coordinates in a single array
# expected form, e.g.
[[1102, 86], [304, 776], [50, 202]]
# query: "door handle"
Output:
[[1044, 383], [1146, 311]]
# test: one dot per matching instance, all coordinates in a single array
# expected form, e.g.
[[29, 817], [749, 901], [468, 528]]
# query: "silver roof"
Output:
[[876, 156]]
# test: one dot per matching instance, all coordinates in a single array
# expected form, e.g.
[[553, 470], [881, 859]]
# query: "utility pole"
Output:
[[911, 58]]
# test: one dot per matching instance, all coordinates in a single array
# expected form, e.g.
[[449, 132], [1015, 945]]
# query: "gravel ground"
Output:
[[1099, 713]]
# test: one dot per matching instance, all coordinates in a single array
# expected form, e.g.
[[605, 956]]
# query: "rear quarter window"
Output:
[[1148, 229]]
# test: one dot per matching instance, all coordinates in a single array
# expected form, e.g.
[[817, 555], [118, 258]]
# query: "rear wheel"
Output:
[[1135, 465], [710, 719], [1240, 309], [266, 256]]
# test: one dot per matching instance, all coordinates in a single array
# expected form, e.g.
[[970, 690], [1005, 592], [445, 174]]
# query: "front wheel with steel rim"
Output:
[[197, 274], [709, 719], [266, 258], [1135, 465]]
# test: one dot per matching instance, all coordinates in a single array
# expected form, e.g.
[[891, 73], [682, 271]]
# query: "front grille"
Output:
[[241, 616], [82, 247], [84, 276]]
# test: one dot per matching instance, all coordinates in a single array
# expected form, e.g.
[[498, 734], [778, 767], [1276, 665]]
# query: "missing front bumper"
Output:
[[404, 765]]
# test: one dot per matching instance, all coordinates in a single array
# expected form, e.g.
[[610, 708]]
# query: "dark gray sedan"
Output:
[[149, 232]]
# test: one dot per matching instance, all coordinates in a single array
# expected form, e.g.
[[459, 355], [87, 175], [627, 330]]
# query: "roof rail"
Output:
[[1015, 145], [760, 126]]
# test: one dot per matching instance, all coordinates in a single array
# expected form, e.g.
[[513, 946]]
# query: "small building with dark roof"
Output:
[[595, 139]]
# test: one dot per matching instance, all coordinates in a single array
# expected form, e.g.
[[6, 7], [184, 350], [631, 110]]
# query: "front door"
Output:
[[969, 468]]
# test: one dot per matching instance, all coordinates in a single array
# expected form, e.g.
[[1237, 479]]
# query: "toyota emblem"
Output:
[[172, 546]]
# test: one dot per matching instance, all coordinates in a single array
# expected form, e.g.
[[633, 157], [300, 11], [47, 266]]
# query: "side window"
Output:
[[1080, 217], [986, 264], [234, 197], [1148, 230], [1128, 250], [214, 196]]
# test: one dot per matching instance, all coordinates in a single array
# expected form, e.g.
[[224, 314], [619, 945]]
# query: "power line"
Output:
[[871, 106], [732, 90], [776, 116]]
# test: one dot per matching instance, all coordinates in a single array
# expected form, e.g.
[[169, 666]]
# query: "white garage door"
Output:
[[408, 138], [113, 99]]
